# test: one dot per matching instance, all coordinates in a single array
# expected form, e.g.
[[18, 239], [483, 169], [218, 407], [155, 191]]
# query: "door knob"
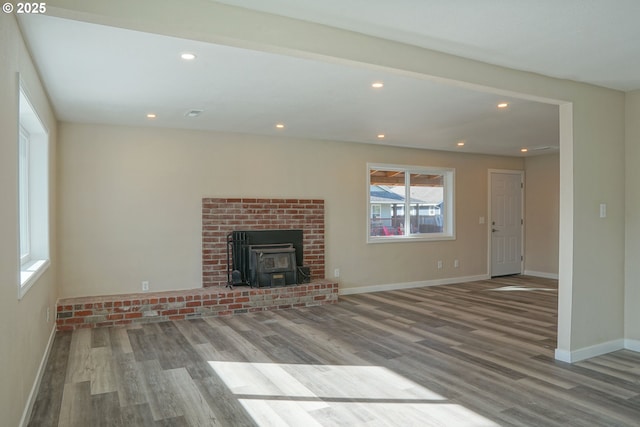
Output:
[[493, 230]]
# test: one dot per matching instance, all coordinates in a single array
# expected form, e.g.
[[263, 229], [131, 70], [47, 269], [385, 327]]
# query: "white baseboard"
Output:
[[541, 274], [633, 345], [589, 352], [26, 414], [410, 285]]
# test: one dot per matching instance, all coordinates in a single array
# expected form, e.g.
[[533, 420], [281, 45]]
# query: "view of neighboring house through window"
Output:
[[33, 195], [410, 202]]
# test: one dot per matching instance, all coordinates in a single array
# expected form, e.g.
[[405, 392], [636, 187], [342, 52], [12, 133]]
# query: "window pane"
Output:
[[426, 194], [388, 191], [23, 194]]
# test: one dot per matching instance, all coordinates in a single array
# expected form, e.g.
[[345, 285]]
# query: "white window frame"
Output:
[[448, 209], [33, 194]]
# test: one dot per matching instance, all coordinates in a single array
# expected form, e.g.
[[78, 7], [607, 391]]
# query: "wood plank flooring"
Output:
[[474, 354]]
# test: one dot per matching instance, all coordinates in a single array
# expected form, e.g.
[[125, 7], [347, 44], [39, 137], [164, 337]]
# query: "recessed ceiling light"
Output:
[[381, 136], [503, 105], [524, 150], [377, 85], [151, 116], [187, 56], [193, 113], [460, 143], [280, 126]]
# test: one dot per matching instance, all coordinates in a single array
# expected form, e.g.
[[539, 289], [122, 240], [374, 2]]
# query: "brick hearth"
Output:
[[115, 310]]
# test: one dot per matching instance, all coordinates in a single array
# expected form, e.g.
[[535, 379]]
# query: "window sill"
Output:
[[30, 272], [412, 238]]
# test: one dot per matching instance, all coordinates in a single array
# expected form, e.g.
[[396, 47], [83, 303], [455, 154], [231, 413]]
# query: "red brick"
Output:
[[134, 315], [83, 313]]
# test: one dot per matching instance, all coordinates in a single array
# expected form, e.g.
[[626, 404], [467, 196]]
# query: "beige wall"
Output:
[[542, 212], [632, 270], [130, 204], [24, 331]]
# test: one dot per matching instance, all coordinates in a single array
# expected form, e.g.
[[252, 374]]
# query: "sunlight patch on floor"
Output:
[[298, 394], [521, 288]]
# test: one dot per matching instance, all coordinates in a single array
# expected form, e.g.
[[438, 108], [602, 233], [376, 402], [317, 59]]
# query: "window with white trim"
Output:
[[410, 203], [33, 195]]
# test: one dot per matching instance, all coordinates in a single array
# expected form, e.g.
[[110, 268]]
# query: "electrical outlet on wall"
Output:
[[145, 286], [439, 264]]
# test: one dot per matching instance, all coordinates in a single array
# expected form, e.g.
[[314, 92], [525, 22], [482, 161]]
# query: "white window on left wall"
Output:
[[33, 194]]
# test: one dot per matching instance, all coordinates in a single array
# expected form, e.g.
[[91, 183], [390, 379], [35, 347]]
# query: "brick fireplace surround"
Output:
[[219, 217], [222, 216]]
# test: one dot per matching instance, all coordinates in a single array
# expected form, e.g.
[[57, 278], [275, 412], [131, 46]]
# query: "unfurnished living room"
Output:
[[293, 212]]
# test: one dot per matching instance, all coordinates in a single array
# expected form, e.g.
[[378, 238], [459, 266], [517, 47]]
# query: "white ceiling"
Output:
[[101, 74], [594, 41]]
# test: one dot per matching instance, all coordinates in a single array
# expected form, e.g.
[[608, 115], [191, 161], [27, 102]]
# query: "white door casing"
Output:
[[506, 222]]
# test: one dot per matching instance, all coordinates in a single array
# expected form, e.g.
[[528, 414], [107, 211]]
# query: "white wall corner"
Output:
[[589, 352], [31, 400], [563, 355], [633, 345]]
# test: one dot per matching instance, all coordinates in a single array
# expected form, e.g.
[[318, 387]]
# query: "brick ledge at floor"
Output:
[[115, 310]]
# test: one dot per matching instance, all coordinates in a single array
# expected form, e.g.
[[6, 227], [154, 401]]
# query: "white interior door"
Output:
[[506, 223]]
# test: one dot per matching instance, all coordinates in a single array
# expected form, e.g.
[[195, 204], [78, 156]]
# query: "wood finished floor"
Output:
[[451, 355]]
